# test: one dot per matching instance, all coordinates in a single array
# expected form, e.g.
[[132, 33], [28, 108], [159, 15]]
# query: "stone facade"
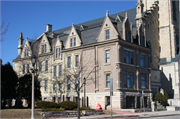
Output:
[[137, 48]]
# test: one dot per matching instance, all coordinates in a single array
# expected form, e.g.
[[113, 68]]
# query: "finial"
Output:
[[72, 24], [126, 14], [21, 36], [107, 13], [26, 38]]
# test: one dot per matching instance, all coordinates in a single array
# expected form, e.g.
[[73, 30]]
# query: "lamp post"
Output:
[[84, 92], [33, 61]]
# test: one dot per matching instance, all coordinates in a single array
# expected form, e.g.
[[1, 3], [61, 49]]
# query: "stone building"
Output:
[[138, 48]]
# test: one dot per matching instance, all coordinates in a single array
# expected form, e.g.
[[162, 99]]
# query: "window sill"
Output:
[[107, 89], [107, 64]]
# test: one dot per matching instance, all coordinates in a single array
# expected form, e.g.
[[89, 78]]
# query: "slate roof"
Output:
[[92, 28]]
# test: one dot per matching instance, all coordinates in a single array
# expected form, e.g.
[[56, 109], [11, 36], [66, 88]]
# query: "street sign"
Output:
[[111, 87]]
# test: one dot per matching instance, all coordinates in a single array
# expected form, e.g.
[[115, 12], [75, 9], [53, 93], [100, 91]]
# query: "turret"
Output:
[[20, 46]]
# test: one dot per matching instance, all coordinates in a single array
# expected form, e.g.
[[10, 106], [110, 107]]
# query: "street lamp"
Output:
[[33, 61], [84, 92]]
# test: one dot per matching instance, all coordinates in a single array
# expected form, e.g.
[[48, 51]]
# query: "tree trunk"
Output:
[[78, 106]]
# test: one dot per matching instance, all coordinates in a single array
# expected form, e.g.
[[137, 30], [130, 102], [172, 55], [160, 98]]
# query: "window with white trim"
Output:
[[76, 60], [54, 87], [72, 42], [69, 62], [54, 71], [58, 52], [26, 52], [60, 70], [107, 34], [46, 85], [143, 82], [23, 69], [107, 56], [69, 83], [43, 48], [46, 68], [107, 80]]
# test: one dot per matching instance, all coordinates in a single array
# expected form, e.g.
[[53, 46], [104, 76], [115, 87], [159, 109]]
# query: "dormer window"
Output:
[[107, 34], [73, 42], [128, 36], [26, 52], [43, 50], [58, 52]]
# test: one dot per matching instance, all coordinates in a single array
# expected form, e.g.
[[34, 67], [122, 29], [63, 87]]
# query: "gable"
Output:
[[44, 46], [26, 52], [73, 39], [107, 26]]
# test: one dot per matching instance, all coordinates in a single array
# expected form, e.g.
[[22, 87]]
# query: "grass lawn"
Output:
[[26, 113], [19, 113]]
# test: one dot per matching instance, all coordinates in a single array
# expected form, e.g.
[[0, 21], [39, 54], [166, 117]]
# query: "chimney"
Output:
[[48, 28]]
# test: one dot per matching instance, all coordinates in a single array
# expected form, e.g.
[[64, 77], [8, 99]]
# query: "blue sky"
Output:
[[31, 17]]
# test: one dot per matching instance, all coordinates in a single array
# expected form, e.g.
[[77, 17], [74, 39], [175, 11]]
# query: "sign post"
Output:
[[111, 93]]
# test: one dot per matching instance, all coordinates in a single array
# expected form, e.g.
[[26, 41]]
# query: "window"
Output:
[[107, 34], [69, 84], [77, 60], [142, 40], [77, 83], [26, 52], [67, 98], [108, 101], [54, 71], [45, 99], [69, 62], [174, 10], [43, 48], [129, 81], [143, 82], [177, 44], [23, 69], [142, 60], [27, 68], [73, 42], [128, 36], [46, 68], [128, 57], [60, 86], [107, 80], [46, 85], [60, 70], [107, 56], [54, 87], [40, 66], [58, 52]]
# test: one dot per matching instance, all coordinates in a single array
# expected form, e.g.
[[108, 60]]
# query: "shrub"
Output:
[[68, 105], [51, 109], [46, 104], [83, 108], [163, 99]]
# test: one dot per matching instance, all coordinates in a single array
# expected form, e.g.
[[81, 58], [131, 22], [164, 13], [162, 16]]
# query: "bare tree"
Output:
[[3, 29], [76, 74]]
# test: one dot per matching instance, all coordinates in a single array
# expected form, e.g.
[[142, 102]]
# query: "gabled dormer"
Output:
[[127, 35], [57, 48], [118, 19], [108, 30], [141, 35], [44, 46], [26, 51], [73, 39]]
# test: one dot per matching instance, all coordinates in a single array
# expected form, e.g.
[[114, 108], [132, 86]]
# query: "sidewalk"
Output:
[[122, 114]]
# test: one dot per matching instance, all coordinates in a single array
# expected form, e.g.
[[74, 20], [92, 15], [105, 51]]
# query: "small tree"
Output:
[[162, 98]]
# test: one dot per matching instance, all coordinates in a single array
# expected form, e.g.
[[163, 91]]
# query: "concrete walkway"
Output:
[[122, 114]]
